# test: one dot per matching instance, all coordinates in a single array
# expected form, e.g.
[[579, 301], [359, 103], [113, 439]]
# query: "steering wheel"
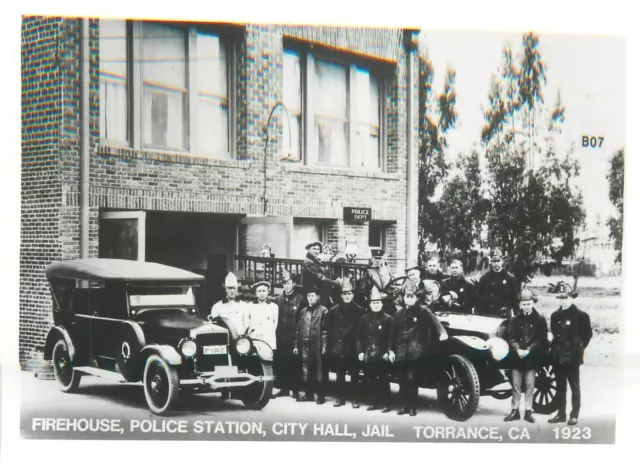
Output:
[[394, 287]]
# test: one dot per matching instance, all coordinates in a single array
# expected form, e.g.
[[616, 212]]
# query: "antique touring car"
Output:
[[138, 322]]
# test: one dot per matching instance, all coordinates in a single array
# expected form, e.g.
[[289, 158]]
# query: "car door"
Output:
[[108, 314]]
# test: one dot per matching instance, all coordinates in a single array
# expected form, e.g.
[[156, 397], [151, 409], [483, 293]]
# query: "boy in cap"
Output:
[[527, 337], [230, 309], [286, 365], [497, 289], [311, 345], [413, 336], [342, 323], [571, 329], [263, 315], [373, 340]]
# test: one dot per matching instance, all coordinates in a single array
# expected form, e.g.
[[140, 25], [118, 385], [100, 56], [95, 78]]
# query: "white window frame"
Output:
[[141, 217], [384, 233]]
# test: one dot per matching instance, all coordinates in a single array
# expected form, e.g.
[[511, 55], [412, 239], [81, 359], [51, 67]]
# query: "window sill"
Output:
[[170, 157], [335, 171]]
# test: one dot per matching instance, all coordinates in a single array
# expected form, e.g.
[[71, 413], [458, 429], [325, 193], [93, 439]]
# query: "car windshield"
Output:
[[161, 296]]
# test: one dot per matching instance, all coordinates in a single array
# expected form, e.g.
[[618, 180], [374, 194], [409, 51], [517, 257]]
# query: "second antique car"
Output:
[[134, 321]]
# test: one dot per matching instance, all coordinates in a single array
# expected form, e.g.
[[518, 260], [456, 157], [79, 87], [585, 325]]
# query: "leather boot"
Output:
[[339, 403], [514, 415], [528, 416], [559, 418]]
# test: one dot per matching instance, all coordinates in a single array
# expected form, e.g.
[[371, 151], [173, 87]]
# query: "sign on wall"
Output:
[[356, 214]]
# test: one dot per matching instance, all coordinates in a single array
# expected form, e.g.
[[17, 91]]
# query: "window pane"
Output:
[[212, 122], [368, 125], [303, 234], [292, 91], [164, 86], [113, 80], [330, 105]]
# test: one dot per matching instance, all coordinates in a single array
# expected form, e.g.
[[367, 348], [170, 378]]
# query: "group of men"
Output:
[[396, 332]]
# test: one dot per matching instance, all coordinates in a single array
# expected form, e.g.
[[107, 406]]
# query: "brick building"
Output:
[[190, 143]]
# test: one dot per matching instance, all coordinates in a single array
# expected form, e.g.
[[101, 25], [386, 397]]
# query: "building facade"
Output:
[[190, 143]]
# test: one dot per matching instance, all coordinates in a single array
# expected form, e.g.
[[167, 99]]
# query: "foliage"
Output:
[[616, 195]]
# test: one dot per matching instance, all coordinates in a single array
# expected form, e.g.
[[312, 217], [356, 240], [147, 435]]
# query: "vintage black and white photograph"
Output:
[[248, 231]]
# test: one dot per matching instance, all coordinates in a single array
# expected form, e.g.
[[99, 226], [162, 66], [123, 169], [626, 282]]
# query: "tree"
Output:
[[531, 188], [437, 116], [616, 195]]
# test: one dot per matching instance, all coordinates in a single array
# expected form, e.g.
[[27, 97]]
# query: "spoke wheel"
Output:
[[257, 395], [545, 393], [68, 378], [161, 384], [459, 388]]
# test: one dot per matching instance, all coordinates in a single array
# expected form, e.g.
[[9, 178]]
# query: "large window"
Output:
[[343, 107], [174, 83]]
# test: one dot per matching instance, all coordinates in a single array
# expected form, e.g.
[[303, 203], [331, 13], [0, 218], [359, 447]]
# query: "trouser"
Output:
[[342, 366], [377, 378], [313, 383], [569, 373], [523, 381], [409, 372], [286, 367]]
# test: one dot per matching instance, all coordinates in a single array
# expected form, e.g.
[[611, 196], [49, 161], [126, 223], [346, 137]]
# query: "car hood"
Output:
[[469, 324], [169, 326]]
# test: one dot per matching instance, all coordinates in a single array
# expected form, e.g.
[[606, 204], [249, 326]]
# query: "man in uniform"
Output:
[[433, 270], [342, 323], [379, 277], [527, 337], [571, 329], [373, 339], [314, 274], [458, 293], [414, 276], [311, 345], [286, 365], [263, 315], [230, 310], [497, 290], [413, 336]]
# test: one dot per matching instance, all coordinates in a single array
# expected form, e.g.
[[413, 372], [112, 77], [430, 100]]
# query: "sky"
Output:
[[587, 70]]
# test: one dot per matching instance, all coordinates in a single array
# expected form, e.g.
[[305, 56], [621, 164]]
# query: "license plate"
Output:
[[214, 349]]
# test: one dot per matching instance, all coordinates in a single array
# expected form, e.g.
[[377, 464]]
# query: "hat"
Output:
[[263, 282], [345, 285], [432, 287], [495, 254], [527, 295], [231, 281], [377, 252], [312, 289], [413, 267], [564, 290], [375, 295], [315, 243]]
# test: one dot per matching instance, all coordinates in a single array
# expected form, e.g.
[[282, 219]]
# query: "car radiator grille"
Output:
[[208, 362]]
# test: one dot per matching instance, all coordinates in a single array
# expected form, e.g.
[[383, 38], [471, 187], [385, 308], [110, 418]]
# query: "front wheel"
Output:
[[68, 378], [459, 388], [161, 384], [545, 392], [257, 395]]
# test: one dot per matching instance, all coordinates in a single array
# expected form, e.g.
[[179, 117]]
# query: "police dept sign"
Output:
[[356, 214]]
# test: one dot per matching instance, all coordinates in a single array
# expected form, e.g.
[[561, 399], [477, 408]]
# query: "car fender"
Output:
[[473, 342], [53, 336], [263, 350], [168, 353]]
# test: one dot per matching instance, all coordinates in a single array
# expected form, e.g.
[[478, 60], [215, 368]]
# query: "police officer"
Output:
[[286, 365], [263, 315], [414, 333], [458, 293], [230, 310], [433, 270], [414, 275], [527, 337], [373, 340], [342, 323], [571, 329], [497, 290], [315, 275]]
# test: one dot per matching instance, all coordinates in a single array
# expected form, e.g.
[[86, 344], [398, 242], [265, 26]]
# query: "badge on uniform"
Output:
[[379, 327], [461, 290], [415, 319], [504, 282], [568, 322]]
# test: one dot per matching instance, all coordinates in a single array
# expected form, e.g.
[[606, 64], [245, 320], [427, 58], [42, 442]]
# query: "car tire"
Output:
[[545, 392], [161, 384], [257, 395], [458, 388], [68, 378]]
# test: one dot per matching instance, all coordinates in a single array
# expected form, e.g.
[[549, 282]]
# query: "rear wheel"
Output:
[[459, 388], [68, 378], [257, 395], [161, 384], [545, 393]]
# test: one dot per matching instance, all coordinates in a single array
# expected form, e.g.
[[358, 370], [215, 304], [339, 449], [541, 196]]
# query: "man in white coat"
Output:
[[263, 315], [231, 310]]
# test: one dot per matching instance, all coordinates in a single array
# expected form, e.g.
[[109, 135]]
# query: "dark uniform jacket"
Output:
[[414, 333], [342, 324], [288, 311], [313, 273], [571, 329], [374, 336], [439, 276], [466, 291], [497, 290], [528, 332], [311, 338]]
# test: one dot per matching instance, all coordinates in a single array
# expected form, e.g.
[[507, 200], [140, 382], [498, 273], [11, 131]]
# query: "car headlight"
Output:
[[498, 347], [189, 348], [243, 346]]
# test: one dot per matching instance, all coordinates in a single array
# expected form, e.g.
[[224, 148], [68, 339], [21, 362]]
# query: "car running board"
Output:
[[112, 376]]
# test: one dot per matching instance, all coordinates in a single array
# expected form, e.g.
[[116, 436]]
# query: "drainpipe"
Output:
[[84, 139], [411, 45]]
